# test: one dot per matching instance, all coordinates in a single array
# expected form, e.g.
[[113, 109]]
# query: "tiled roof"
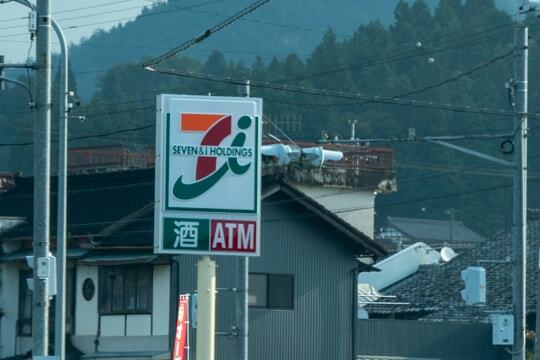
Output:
[[115, 209], [429, 231], [436, 288], [95, 201]]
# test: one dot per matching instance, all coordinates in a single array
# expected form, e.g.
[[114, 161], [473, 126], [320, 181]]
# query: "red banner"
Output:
[[180, 340]]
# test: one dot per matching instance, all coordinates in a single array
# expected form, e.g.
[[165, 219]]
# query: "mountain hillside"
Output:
[[278, 28]]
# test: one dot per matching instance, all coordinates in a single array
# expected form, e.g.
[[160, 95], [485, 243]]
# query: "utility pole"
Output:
[[521, 43], [42, 135], [242, 283]]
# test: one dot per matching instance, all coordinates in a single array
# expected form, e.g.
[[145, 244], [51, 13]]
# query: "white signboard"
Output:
[[207, 175]]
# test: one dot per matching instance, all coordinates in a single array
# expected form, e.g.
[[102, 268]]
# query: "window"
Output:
[[125, 289], [271, 291], [25, 305]]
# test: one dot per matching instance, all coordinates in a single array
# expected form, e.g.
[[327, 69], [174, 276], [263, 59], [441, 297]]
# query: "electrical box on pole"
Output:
[[503, 329], [46, 270], [32, 22]]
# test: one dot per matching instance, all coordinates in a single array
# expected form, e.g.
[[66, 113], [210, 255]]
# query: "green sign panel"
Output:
[[186, 234]]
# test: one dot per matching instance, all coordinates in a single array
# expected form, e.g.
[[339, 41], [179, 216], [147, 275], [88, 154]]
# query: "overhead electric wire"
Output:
[[82, 17], [412, 92], [90, 136], [269, 23], [224, 51], [117, 11], [345, 95], [113, 20], [269, 203], [396, 55], [78, 9], [394, 58], [207, 33]]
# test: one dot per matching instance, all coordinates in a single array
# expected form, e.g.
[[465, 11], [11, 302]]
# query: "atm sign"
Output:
[[210, 236]]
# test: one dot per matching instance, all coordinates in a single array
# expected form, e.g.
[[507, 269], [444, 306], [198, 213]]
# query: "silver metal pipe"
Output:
[[61, 241]]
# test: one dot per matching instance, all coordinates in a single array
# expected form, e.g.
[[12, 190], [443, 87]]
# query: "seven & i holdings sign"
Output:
[[207, 175]]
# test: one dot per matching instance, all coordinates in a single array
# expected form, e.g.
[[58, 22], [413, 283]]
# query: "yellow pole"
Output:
[[206, 309]]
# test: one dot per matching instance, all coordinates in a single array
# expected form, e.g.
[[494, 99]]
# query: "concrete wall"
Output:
[[419, 339], [335, 199], [122, 332]]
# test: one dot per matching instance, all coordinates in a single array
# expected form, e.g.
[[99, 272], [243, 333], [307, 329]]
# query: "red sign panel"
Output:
[[180, 340], [233, 236]]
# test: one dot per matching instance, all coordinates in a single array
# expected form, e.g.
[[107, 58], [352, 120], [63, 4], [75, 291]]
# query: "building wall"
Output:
[[339, 199], [9, 305], [130, 332], [293, 242], [86, 321]]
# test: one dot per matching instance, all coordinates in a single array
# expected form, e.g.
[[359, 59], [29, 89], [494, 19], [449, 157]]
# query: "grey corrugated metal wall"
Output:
[[418, 339], [293, 242]]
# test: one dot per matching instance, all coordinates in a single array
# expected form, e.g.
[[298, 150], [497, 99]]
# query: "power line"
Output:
[[269, 203], [113, 20], [82, 137], [74, 9], [345, 95], [206, 34], [429, 87], [147, 47], [396, 55], [369, 207], [285, 26], [412, 92], [80, 17], [396, 58]]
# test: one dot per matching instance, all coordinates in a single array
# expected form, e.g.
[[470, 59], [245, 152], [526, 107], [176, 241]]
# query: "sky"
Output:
[[78, 19]]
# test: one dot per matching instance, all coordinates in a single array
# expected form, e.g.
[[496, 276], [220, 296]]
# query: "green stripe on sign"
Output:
[[186, 234]]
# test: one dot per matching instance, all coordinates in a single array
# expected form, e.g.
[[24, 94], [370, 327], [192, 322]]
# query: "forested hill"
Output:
[[278, 28], [458, 53]]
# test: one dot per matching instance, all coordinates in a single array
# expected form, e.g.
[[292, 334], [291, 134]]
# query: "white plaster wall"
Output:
[[138, 325], [9, 304], [133, 343], [141, 332], [86, 312], [342, 199], [160, 301], [113, 325]]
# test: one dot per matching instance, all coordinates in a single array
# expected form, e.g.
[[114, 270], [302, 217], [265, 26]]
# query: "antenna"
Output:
[[447, 254]]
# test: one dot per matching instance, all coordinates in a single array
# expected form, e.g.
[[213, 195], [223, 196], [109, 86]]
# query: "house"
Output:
[[433, 292], [430, 303], [401, 232], [121, 297]]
